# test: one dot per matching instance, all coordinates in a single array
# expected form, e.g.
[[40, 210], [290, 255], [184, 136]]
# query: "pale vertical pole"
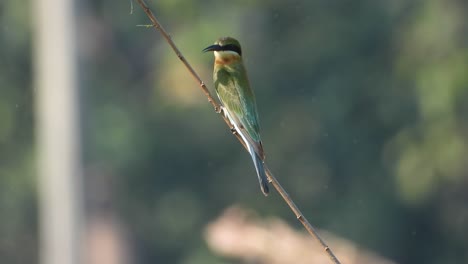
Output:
[[58, 131]]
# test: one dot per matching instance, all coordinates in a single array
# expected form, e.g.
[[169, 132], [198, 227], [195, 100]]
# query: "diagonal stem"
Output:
[[300, 217], [181, 57]]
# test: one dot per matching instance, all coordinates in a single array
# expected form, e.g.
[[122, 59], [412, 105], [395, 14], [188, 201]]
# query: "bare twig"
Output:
[[217, 109], [240, 233]]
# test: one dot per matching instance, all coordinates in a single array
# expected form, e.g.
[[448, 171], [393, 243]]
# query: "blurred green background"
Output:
[[363, 107]]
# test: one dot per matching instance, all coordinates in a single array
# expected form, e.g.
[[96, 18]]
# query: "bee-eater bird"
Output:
[[238, 100]]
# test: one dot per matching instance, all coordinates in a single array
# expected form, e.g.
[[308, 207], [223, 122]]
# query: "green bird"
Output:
[[238, 100]]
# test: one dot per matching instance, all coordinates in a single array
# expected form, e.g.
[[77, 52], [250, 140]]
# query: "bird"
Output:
[[237, 99]]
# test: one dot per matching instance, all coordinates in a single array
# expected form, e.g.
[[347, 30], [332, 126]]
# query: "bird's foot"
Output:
[[233, 130], [220, 110]]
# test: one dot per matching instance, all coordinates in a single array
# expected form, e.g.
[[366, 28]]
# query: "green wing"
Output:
[[237, 97]]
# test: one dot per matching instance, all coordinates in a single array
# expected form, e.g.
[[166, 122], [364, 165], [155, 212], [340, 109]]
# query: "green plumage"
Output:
[[233, 89], [236, 96]]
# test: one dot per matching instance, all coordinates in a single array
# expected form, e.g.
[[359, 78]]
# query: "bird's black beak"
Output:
[[214, 47]]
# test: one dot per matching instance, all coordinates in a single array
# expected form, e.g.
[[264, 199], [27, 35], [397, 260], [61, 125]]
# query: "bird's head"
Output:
[[225, 48]]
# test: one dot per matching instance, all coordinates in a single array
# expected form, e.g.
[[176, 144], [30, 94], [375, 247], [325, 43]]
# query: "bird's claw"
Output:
[[233, 130]]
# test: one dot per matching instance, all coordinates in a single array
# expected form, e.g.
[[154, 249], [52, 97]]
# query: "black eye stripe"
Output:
[[232, 47]]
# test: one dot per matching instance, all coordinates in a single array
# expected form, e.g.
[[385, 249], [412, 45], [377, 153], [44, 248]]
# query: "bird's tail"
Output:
[[262, 179]]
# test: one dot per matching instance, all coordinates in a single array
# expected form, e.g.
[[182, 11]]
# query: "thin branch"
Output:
[[217, 109]]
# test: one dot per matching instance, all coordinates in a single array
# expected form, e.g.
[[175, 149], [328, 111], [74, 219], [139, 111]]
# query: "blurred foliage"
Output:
[[363, 106]]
